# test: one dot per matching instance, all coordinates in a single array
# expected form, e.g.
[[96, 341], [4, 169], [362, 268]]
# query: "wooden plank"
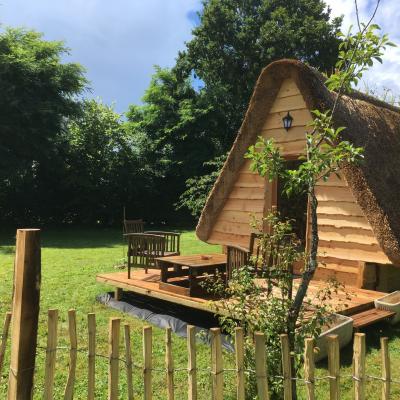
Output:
[[91, 354], [128, 362], [294, 102], [333, 180], [234, 227], [229, 239], [170, 287], [347, 235], [359, 366], [282, 135], [241, 217], [4, 337], [69, 388], [343, 221], [346, 278], [286, 367], [216, 365], [239, 357], [261, 371], [334, 366], [339, 208], [369, 317], [246, 193], [292, 147], [148, 362], [300, 118], [244, 205], [192, 366], [309, 368], [386, 373], [247, 179], [169, 364], [51, 352], [353, 251], [288, 88], [26, 297], [113, 358], [333, 193]]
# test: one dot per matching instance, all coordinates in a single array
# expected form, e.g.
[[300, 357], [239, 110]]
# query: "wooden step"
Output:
[[370, 317]]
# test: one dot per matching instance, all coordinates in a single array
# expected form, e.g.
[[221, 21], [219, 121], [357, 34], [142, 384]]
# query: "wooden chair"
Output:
[[133, 226], [143, 248], [236, 257], [172, 242]]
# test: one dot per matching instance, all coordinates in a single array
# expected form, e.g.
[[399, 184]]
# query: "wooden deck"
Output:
[[348, 301]]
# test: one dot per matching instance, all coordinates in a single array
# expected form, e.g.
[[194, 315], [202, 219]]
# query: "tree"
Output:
[[236, 39], [103, 172], [171, 133], [38, 94]]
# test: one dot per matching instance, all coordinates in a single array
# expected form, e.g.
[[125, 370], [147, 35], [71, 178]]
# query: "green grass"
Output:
[[71, 258]]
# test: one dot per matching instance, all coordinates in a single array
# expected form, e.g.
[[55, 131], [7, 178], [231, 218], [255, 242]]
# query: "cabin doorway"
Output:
[[293, 208]]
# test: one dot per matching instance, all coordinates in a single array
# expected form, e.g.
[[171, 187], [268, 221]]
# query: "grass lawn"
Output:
[[71, 258]]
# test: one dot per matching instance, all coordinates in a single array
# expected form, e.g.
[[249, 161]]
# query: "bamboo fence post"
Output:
[[51, 353], [25, 312], [69, 388], [359, 366], [128, 357], [113, 356], [261, 370], [386, 373], [239, 355], [148, 363], [91, 354], [309, 368], [216, 364], [286, 368], [4, 337], [169, 364], [192, 372], [334, 366]]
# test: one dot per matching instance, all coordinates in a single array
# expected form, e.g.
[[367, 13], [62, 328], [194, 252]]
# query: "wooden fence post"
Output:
[[91, 355], [239, 350], [148, 362], [359, 366], [309, 368], [128, 357], [334, 366], [4, 337], [286, 368], [69, 388], [386, 374], [192, 372], [25, 314], [169, 364], [51, 352], [113, 354], [216, 365], [261, 369]]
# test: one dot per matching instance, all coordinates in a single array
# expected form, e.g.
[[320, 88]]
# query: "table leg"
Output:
[[164, 271]]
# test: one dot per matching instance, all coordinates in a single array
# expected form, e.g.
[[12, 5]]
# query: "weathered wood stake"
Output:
[[192, 372], [239, 350], [27, 274]]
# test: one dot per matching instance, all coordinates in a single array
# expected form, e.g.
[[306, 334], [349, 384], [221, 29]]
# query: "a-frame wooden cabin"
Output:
[[359, 214]]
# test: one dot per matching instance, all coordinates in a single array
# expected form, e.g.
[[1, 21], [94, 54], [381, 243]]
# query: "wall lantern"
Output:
[[287, 121]]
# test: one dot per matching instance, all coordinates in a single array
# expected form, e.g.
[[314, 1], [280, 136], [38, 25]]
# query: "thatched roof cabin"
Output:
[[359, 215]]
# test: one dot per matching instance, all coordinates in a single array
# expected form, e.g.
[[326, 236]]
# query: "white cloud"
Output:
[[118, 41], [384, 75]]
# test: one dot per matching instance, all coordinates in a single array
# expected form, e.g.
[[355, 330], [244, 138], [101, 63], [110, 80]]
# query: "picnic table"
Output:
[[191, 266]]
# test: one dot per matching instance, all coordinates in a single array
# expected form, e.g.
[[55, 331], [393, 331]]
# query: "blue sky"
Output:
[[120, 41]]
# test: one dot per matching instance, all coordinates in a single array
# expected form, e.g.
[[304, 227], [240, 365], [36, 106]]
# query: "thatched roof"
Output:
[[371, 124]]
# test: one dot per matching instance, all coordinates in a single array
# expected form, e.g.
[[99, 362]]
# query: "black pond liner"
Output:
[[164, 314]]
